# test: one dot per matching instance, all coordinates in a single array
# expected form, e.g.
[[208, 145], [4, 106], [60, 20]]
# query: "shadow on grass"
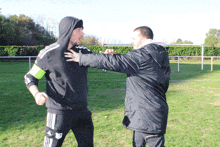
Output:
[[106, 92]]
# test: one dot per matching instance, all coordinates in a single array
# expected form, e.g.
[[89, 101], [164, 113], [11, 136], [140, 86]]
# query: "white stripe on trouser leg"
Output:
[[51, 120], [150, 136], [48, 142]]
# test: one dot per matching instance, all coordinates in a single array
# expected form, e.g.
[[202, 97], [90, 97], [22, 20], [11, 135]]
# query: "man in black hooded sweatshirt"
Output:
[[148, 73], [66, 86]]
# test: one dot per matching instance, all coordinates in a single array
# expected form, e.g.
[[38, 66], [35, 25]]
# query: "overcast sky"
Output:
[[116, 19]]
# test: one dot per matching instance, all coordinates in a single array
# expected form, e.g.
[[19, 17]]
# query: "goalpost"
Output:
[[202, 48], [202, 57]]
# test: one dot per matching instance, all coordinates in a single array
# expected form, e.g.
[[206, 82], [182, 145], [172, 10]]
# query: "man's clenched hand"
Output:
[[41, 98]]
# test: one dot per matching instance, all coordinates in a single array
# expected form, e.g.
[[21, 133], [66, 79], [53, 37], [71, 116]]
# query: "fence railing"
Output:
[[20, 57], [30, 58], [211, 57]]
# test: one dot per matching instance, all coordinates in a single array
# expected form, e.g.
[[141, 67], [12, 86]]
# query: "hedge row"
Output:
[[119, 49], [20, 50], [172, 50], [34, 50], [192, 51]]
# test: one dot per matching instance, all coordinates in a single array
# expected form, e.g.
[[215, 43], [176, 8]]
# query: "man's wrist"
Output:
[[36, 94]]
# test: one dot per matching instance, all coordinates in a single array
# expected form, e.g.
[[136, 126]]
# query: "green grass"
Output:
[[193, 98]]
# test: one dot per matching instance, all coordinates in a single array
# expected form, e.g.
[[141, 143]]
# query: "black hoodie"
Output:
[[148, 74], [66, 82]]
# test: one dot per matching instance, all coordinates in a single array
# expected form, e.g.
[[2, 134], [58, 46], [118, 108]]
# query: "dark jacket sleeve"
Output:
[[38, 70], [125, 63], [30, 80]]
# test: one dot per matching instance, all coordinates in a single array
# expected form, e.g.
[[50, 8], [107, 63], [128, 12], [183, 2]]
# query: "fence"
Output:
[[211, 58], [31, 58]]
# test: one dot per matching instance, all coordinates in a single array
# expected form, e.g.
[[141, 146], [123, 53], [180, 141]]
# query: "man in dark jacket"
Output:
[[148, 73], [66, 85]]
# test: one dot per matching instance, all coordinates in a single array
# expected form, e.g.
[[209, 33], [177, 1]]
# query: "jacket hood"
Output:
[[158, 53], [66, 27]]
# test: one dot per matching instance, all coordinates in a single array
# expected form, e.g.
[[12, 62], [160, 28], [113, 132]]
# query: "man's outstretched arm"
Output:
[[75, 56], [124, 63]]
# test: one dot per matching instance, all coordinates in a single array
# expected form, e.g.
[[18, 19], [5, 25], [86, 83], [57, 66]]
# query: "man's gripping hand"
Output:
[[41, 98], [74, 56], [108, 51]]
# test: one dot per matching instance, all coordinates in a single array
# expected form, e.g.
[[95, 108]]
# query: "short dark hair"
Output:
[[145, 31]]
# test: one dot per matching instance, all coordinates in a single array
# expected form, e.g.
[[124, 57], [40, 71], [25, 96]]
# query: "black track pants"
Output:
[[59, 124], [140, 139]]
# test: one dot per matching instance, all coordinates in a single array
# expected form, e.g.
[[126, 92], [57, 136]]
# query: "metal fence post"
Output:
[[211, 63], [29, 62], [178, 64], [202, 57]]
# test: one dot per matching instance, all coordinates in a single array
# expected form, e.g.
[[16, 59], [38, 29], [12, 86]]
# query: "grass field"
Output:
[[193, 98]]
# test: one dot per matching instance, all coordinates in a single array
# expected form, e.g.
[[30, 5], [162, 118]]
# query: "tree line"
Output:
[[212, 39], [179, 41], [22, 30]]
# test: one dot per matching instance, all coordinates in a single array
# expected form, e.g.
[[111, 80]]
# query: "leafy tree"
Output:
[[3, 20], [187, 42], [90, 40], [9, 32], [22, 30], [218, 41], [212, 38], [179, 41]]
